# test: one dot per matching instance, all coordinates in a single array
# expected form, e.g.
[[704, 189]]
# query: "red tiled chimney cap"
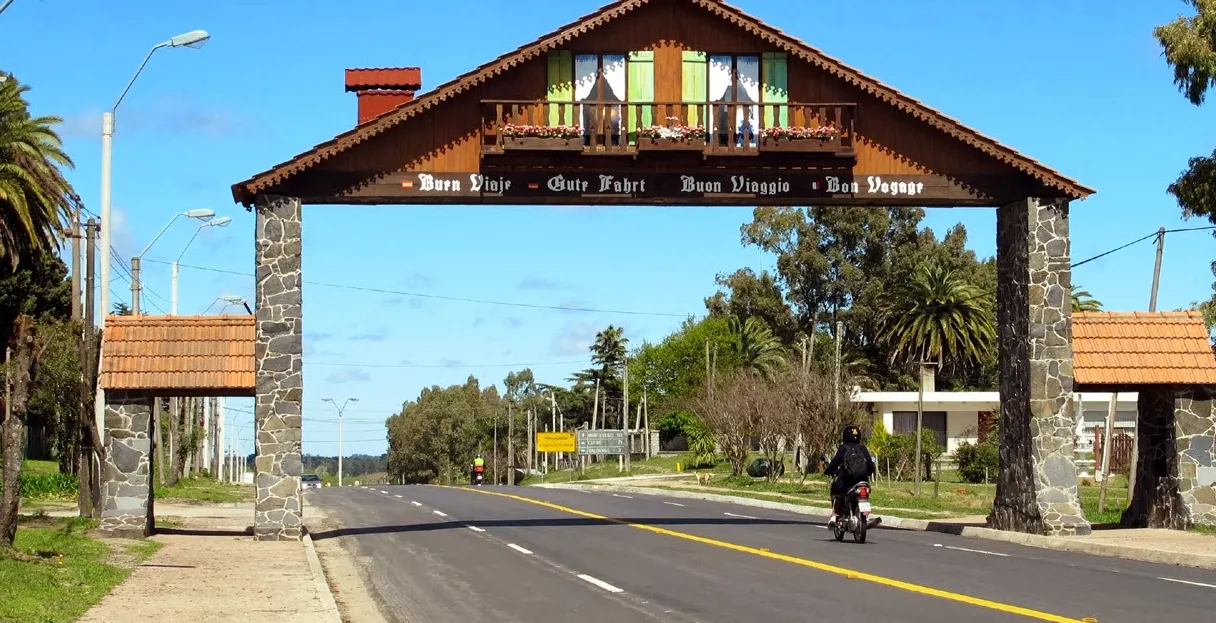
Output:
[[389, 78]]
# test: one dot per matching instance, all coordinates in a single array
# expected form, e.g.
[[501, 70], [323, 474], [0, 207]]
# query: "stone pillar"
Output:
[[1195, 430], [279, 369], [1176, 469], [1036, 488], [127, 471]]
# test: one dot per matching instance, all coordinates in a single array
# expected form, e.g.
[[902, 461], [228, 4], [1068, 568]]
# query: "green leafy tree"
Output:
[[1189, 45], [755, 347], [936, 316], [744, 294], [1083, 301], [35, 198]]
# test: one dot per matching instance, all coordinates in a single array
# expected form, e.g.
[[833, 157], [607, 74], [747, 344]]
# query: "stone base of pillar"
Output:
[[1036, 488], [127, 503], [1176, 466]]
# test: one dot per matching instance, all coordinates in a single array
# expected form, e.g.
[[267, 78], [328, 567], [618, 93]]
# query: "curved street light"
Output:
[[192, 39], [219, 222], [340, 410], [201, 214]]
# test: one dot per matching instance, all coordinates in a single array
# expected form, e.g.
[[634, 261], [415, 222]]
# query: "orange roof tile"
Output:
[[189, 353], [1141, 348]]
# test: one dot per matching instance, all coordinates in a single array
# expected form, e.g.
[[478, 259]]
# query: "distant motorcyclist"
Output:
[[479, 466], [852, 464]]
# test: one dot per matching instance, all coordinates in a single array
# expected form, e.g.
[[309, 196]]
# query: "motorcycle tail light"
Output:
[[863, 492]]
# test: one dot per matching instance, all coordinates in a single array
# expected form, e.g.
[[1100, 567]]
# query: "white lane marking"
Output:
[[1188, 582], [741, 516], [674, 503], [973, 551], [415, 503], [475, 529], [600, 583], [519, 549], [396, 496], [440, 513], [617, 495]]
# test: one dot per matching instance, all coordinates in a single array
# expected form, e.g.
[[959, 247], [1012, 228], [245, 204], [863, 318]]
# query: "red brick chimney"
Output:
[[382, 89]]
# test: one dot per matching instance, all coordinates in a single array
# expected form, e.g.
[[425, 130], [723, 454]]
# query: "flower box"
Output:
[[805, 145], [646, 143], [806, 140], [542, 137], [542, 143]]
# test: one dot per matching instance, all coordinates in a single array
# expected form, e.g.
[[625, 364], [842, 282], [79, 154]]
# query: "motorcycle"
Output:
[[479, 478], [856, 518]]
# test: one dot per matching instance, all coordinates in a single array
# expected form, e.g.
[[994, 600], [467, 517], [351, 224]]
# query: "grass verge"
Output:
[[198, 489], [70, 572]]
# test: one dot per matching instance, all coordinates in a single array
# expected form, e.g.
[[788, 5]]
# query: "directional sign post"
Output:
[[601, 442]]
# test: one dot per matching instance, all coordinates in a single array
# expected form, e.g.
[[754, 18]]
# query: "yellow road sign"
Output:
[[555, 442]]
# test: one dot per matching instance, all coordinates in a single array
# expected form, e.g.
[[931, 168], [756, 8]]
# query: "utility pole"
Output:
[[1108, 438], [135, 287], [625, 416], [553, 417], [1152, 307], [495, 448], [97, 427], [157, 440], [836, 383], [920, 414], [646, 422], [77, 282], [510, 445]]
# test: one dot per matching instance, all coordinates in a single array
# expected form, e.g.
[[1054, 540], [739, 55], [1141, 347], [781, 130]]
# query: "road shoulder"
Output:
[[1168, 547], [345, 574]]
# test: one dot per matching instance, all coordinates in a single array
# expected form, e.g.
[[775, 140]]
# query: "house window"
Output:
[[904, 423], [600, 81], [747, 81], [598, 86]]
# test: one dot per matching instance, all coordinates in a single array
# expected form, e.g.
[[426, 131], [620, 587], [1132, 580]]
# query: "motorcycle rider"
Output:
[[479, 466], [851, 465]]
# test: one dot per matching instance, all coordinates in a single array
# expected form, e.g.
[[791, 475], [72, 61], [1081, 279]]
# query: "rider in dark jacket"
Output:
[[840, 486]]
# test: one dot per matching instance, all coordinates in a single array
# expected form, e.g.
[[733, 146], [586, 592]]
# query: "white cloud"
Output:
[[573, 339], [348, 375]]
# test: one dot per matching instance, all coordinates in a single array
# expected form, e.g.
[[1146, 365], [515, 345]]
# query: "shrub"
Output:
[[702, 445], [976, 462]]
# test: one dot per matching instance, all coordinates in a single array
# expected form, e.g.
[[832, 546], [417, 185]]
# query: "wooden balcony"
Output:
[[642, 128]]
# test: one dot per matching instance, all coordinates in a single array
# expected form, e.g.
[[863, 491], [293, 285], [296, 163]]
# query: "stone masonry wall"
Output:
[[1156, 502], [1037, 488], [278, 360], [127, 509], [1195, 434]]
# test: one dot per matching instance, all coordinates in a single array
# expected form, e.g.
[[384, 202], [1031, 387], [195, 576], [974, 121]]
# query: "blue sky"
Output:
[[1085, 93]]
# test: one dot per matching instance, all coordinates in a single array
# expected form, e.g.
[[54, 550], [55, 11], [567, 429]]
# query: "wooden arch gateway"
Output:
[[680, 102]]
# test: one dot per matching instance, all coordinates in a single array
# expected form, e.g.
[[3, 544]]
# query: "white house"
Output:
[[957, 416]]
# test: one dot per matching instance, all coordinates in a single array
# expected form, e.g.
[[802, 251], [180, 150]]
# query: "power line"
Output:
[[445, 298], [445, 365]]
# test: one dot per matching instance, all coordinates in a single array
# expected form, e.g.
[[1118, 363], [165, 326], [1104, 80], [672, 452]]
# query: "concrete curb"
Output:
[[1066, 544], [328, 604]]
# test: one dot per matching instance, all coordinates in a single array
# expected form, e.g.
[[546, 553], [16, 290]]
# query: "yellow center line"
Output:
[[765, 553]]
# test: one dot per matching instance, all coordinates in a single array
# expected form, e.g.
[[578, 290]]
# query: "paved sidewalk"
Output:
[[209, 569]]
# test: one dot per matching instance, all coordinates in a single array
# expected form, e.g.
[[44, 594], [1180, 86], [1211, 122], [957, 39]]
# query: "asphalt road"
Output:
[[557, 555]]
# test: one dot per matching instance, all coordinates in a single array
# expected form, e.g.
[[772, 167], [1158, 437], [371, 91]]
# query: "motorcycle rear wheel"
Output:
[[859, 533]]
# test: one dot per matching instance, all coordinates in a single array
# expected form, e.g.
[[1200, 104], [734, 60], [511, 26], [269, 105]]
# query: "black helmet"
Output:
[[851, 434]]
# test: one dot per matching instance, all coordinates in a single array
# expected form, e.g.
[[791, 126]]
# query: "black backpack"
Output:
[[854, 466]]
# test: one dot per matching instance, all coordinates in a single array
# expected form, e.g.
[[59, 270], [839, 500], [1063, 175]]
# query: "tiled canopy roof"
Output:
[[1140, 348], [200, 354]]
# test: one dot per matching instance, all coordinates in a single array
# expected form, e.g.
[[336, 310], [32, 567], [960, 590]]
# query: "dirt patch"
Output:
[[347, 576]]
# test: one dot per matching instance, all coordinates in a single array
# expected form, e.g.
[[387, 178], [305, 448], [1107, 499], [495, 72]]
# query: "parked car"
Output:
[[310, 481]]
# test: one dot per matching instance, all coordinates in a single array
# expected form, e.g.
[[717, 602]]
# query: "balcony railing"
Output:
[[711, 128]]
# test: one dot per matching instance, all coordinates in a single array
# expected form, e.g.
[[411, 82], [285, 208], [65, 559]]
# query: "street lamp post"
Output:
[[193, 39], [202, 214], [340, 410], [219, 222]]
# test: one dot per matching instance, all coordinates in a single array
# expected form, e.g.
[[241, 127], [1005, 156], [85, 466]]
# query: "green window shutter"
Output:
[[774, 88], [641, 89], [561, 86], [695, 82]]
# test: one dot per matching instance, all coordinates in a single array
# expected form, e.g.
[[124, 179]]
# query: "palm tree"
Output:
[[936, 316], [35, 198], [755, 346], [1083, 301]]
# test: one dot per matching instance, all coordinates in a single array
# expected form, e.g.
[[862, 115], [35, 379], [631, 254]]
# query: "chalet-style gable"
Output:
[[999, 160]]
